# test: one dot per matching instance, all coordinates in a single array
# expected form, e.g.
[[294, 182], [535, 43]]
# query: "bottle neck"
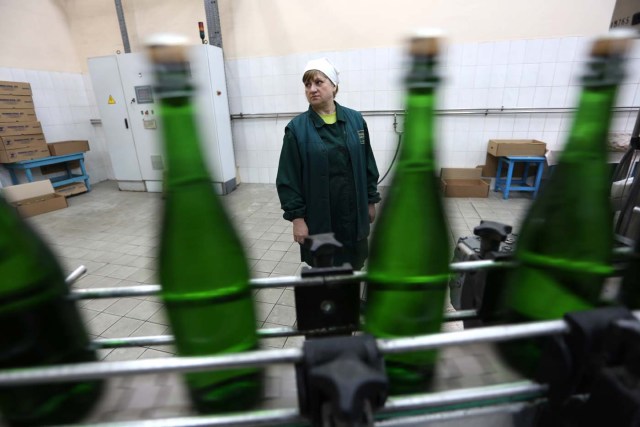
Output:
[[418, 139], [183, 153], [591, 124]]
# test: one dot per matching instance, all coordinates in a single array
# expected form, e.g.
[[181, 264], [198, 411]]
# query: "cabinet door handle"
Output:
[[126, 123]]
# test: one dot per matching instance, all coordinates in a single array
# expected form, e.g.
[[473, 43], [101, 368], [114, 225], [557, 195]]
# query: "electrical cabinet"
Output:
[[123, 86]]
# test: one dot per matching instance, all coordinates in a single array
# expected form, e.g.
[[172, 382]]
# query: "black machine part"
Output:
[[490, 240], [593, 371], [341, 380], [327, 306]]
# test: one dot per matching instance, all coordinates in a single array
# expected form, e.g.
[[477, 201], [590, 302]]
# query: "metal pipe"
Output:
[[520, 390], [274, 282], [92, 370], [514, 391], [447, 112], [84, 371], [75, 275], [471, 336], [284, 331], [439, 417], [268, 417]]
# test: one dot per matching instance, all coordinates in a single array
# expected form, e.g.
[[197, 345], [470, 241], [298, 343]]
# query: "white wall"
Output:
[[281, 27], [532, 73], [37, 46], [503, 53]]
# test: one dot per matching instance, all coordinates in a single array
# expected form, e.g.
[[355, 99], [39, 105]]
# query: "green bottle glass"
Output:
[[409, 257], [565, 245], [39, 327], [202, 267]]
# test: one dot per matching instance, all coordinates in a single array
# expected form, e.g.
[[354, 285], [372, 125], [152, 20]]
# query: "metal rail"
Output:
[[443, 401], [274, 282], [262, 333], [443, 112], [84, 371]]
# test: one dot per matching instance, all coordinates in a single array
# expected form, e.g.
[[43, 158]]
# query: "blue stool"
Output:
[[508, 184], [57, 181]]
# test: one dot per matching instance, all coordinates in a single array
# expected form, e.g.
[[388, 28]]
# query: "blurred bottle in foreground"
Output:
[[202, 266], [566, 240], [409, 262], [39, 326]]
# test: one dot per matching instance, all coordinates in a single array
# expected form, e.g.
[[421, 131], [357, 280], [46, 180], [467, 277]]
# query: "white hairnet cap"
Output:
[[324, 65]]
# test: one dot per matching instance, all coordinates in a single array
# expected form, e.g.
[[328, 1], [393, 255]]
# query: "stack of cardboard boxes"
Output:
[[475, 182], [21, 136]]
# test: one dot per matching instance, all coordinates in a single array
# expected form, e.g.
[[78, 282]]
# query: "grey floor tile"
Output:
[[101, 323], [271, 295], [287, 268], [120, 354], [122, 306], [124, 327], [265, 266], [154, 354], [144, 310], [287, 298], [148, 329], [263, 310], [273, 255], [282, 315], [282, 245], [263, 244]]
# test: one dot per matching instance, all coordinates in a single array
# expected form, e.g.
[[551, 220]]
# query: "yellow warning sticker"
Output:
[[111, 100]]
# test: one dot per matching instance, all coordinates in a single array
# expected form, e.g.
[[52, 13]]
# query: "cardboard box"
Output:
[[10, 115], [459, 182], [16, 101], [71, 189], [23, 141], [15, 88], [61, 148], [17, 155], [20, 128], [59, 167], [516, 147], [34, 198], [510, 147]]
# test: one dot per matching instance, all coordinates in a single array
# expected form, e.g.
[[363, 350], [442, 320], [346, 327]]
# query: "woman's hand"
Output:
[[372, 212], [300, 230]]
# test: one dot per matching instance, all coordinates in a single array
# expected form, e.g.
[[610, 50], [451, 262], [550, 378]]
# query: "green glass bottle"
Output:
[[39, 327], [409, 258], [202, 267], [565, 244]]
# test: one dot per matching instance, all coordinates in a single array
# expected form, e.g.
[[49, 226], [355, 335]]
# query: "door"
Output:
[[116, 123]]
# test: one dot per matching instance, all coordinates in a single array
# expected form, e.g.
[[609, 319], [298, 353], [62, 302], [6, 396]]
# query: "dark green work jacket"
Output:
[[311, 152]]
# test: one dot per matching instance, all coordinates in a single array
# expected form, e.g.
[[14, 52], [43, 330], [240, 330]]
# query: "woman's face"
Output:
[[319, 90]]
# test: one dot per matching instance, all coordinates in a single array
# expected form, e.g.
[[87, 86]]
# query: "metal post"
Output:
[[123, 26], [213, 22]]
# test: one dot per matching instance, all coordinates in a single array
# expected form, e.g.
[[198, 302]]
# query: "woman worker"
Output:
[[327, 176]]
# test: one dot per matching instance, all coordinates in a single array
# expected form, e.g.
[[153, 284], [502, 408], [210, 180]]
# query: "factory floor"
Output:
[[115, 235]]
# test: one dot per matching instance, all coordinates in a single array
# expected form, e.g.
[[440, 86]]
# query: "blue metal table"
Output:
[[57, 181], [508, 183]]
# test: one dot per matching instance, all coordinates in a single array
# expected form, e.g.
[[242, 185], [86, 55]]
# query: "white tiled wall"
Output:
[[64, 109], [490, 75], [541, 73]]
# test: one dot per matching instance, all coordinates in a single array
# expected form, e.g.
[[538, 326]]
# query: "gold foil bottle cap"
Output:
[[167, 48], [617, 42], [426, 42]]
